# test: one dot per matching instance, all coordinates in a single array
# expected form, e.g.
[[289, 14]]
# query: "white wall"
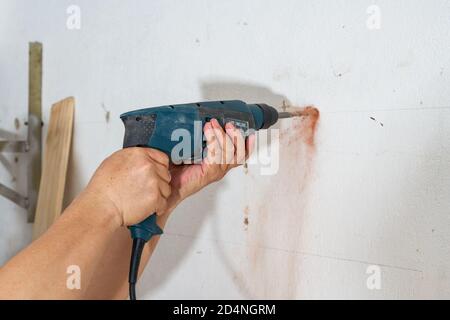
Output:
[[371, 195]]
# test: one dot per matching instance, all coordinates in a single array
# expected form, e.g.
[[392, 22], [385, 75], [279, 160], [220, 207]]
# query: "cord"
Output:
[[132, 291], [136, 252]]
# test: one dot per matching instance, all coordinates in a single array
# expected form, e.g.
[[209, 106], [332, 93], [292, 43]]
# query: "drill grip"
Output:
[[146, 229]]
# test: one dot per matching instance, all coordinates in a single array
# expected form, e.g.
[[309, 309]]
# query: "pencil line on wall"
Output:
[[304, 253], [390, 109]]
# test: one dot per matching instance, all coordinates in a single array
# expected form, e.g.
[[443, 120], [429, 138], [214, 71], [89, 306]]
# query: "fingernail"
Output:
[[215, 122], [229, 125]]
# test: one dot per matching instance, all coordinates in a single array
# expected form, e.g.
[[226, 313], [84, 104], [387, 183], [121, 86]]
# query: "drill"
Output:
[[153, 128]]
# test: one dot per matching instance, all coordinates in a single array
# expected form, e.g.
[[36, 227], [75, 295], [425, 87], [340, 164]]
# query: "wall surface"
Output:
[[374, 190]]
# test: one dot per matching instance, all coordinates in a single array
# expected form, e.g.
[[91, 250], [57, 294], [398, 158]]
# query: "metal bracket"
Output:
[[33, 145]]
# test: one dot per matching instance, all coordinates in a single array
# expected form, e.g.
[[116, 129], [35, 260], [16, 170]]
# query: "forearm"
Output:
[[110, 280], [78, 238]]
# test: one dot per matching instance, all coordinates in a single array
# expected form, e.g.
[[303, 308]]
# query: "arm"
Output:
[[126, 187], [91, 232], [112, 275]]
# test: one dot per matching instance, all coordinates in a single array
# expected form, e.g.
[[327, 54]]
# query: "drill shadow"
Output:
[[181, 232], [250, 93]]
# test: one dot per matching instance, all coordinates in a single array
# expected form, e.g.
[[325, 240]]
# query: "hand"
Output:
[[225, 150], [134, 182]]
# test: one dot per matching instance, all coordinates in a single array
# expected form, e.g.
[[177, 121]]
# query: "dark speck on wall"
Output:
[[107, 113], [380, 123], [246, 213]]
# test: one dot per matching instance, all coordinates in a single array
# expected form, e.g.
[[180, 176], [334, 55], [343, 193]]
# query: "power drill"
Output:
[[153, 128]]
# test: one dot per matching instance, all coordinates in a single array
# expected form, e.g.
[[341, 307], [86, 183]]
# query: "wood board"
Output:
[[55, 162]]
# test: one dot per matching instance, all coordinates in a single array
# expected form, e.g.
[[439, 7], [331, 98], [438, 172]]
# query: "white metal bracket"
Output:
[[33, 144]]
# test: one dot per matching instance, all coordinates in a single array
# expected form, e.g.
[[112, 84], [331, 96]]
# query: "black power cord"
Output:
[[136, 252]]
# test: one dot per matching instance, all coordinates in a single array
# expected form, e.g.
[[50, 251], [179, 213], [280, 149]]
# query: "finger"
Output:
[[161, 206], [250, 145], [238, 140], [163, 172], [165, 189], [209, 133], [226, 145], [212, 145], [158, 156]]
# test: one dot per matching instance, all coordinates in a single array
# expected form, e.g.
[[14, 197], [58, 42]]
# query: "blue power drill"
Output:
[[153, 128]]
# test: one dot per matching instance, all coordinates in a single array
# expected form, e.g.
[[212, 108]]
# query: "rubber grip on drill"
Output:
[[146, 229]]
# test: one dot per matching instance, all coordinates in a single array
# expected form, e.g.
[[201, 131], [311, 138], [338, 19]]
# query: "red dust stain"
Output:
[[306, 127], [280, 223]]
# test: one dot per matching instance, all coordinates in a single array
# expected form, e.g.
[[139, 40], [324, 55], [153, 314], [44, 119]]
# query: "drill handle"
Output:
[[146, 229]]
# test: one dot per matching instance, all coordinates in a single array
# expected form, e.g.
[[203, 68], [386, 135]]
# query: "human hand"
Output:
[[133, 182], [226, 150]]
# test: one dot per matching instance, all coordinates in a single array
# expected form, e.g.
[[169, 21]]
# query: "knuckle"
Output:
[[161, 157], [148, 166]]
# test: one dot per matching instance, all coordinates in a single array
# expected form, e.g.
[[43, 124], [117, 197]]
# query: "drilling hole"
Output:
[[221, 102], [138, 118], [198, 104]]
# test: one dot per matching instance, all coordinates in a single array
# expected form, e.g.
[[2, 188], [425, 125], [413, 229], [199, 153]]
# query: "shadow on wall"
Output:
[[250, 93], [181, 230], [173, 252]]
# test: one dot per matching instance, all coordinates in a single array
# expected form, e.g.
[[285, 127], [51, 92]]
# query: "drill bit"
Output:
[[292, 114], [285, 115], [299, 112]]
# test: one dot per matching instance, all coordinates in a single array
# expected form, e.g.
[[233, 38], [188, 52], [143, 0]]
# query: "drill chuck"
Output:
[[269, 114]]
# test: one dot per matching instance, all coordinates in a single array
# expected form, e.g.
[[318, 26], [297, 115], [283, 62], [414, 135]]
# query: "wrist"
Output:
[[98, 210]]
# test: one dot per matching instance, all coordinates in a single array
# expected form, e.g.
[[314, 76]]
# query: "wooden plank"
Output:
[[56, 158], [34, 125]]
